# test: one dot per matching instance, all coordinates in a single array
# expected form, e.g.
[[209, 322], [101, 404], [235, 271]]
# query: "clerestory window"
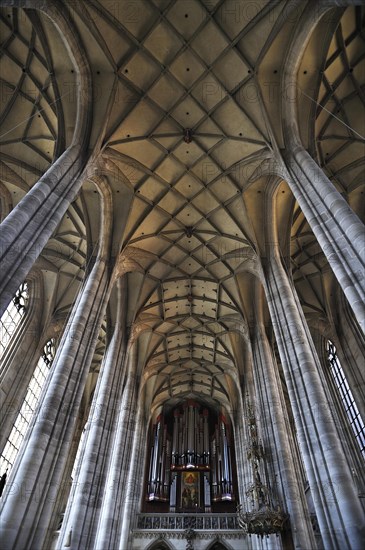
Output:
[[13, 315], [346, 396], [28, 407]]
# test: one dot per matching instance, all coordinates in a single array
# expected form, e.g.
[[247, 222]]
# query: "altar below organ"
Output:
[[190, 459]]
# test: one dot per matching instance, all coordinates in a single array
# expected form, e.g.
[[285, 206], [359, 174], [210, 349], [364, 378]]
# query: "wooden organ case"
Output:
[[191, 457]]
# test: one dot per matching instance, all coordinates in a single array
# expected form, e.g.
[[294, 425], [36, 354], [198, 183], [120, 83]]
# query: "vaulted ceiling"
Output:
[[187, 107]]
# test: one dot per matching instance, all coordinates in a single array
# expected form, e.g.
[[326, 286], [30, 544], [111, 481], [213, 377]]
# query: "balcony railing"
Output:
[[173, 522]]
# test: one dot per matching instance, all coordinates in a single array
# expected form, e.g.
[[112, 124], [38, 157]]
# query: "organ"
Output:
[[190, 459]]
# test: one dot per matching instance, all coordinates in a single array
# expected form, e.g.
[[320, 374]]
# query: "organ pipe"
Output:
[[190, 441]]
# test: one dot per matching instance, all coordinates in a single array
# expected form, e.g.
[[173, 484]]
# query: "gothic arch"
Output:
[[160, 545], [260, 147], [217, 544]]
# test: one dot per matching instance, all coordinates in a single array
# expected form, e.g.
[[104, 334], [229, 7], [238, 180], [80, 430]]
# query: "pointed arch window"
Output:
[[346, 396], [13, 315], [28, 407]]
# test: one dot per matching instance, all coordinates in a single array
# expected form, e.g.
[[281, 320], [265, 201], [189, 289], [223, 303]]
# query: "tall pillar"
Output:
[[35, 478], [82, 512], [336, 501], [242, 444], [134, 479], [272, 407], [56, 521], [111, 518], [28, 227], [241, 460], [337, 228]]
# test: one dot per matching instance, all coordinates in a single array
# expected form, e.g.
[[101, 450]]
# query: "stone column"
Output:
[[28, 227], [56, 521], [243, 478], [240, 452], [35, 478], [337, 228], [111, 517], [339, 231], [82, 512], [248, 397], [134, 479], [336, 501], [252, 400], [273, 412]]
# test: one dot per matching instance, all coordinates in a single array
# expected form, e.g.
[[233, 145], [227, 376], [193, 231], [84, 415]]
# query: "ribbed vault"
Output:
[[195, 112], [32, 117]]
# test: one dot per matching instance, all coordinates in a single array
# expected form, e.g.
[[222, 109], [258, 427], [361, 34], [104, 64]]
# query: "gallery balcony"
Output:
[[178, 526]]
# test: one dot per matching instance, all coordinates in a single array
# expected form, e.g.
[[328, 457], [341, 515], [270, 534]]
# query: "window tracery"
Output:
[[346, 396], [13, 315], [28, 407]]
